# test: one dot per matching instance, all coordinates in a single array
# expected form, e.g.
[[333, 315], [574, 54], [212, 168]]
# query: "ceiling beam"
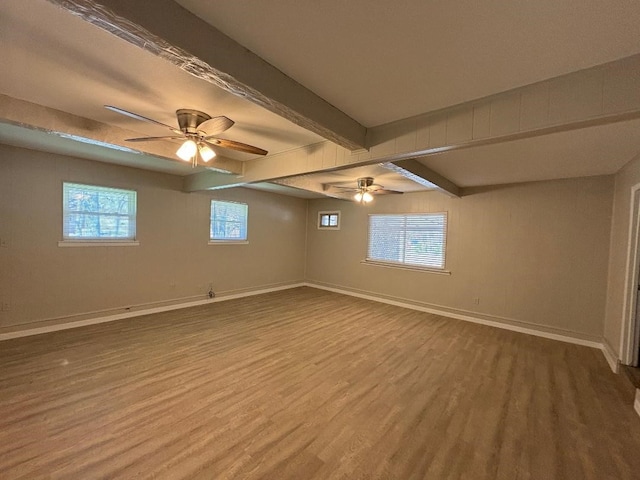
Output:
[[423, 175], [308, 183], [79, 129], [171, 32], [600, 95]]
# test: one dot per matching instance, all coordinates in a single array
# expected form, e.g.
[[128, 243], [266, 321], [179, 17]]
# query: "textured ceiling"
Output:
[[54, 59], [376, 61], [380, 61]]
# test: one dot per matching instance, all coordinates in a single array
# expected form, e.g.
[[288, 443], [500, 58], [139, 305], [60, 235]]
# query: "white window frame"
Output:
[[329, 214], [403, 264], [86, 241], [228, 240]]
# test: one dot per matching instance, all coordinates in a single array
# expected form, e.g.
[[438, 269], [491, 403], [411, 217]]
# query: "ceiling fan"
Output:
[[366, 189], [198, 131]]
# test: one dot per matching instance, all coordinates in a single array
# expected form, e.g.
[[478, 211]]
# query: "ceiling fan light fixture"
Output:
[[199, 130], [187, 150], [363, 197], [206, 153]]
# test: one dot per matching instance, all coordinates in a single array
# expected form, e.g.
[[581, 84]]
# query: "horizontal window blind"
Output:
[[228, 221], [409, 239], [98, 213]]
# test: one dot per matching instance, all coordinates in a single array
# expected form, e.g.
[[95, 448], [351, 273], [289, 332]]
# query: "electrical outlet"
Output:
[[6, 306], [476, 300], [4, 243]]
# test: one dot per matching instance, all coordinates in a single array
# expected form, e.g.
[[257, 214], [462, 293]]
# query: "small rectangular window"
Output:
[[228, 221], [97, 214], [329, 220], [413, 239]]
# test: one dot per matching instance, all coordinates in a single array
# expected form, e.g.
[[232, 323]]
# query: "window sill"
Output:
[[98, 243], [228, 242], [406, 267]]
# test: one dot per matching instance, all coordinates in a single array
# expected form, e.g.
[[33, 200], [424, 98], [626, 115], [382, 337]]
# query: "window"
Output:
[[329, 220], [98, 214], [228, 222], [417, 240]]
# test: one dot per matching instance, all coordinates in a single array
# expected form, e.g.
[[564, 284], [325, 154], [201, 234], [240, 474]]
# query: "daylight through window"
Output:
[[411, 239], [228, 221], [98, 213], [329, 220]]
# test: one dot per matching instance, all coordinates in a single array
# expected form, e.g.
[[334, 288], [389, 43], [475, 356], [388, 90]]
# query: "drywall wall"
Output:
[[534, 254], [625, 180], [173, 262]]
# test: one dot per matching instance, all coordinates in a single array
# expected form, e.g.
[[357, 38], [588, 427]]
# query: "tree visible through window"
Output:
[[98, 213], [228, 221], [410, 239]]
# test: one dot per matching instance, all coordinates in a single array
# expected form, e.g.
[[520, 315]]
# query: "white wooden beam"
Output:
[[65, 125], [170, 31], [600, 95], [419, 173]]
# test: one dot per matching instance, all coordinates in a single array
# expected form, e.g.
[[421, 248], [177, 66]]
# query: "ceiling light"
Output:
[[187, 151], [206, 153], [363, 197]]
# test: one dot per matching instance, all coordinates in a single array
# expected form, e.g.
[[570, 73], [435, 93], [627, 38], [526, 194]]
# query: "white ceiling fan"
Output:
[[198, 132]]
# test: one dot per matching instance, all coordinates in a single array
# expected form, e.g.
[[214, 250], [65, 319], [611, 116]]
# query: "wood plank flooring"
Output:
[[307, 384]]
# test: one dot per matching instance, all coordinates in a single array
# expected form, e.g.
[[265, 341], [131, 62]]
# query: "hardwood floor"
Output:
[[307, 384]]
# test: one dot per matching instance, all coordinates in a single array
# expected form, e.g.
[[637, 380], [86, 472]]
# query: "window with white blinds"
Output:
[[409, 239], [93, 213], [228, 221]]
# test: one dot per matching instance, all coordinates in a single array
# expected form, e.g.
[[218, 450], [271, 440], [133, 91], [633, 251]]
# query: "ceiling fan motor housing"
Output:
[[189, 120], [365, 182]]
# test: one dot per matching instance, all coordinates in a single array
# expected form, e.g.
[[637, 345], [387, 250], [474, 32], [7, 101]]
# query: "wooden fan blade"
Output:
[[209, 143], [382, 191], [140, 117], [216, 125], [145, 139], [233, 145]]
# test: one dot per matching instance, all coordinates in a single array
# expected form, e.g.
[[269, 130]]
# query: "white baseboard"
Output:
[[603, 346], [636, 404], [145, 311], [610, 356], [531, 330]]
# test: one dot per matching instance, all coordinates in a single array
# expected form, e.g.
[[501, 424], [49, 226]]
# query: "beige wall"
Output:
[[41, 280], [625, 179], [534, 254]]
